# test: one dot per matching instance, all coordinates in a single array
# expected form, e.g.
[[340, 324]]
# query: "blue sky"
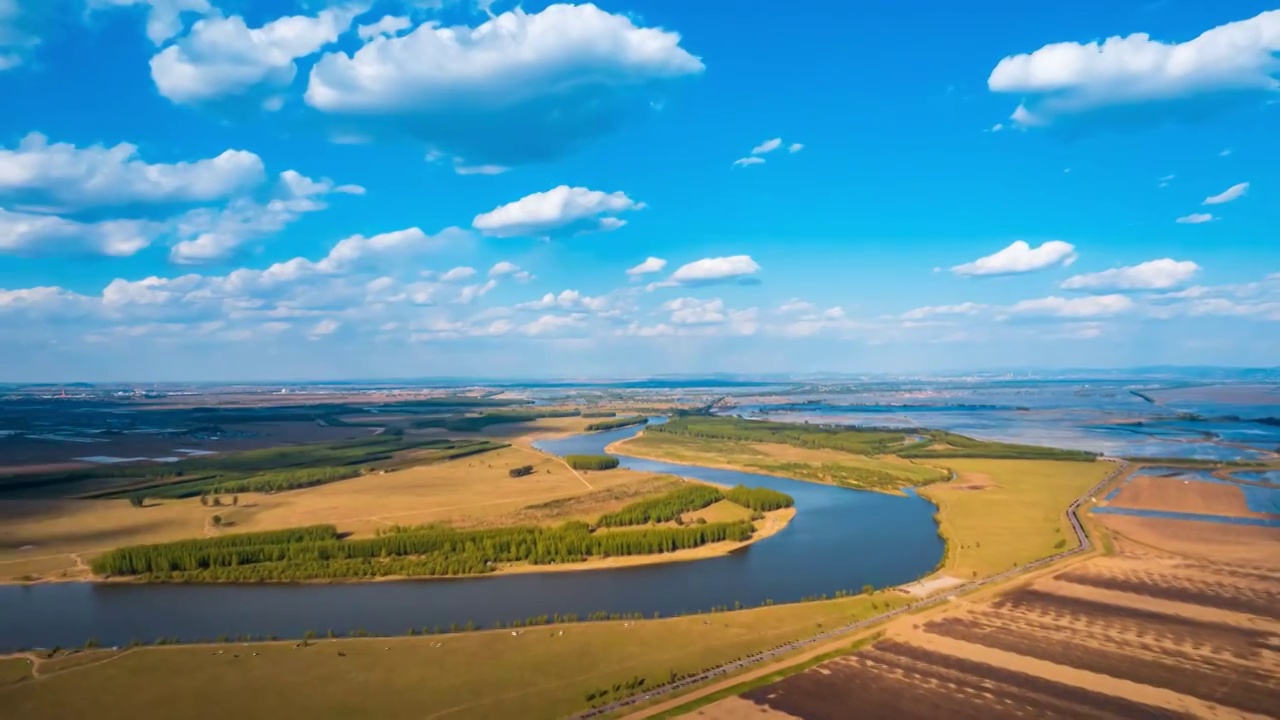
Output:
[[285, 189]]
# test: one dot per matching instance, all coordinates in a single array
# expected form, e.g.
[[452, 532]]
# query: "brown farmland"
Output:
[[1146, 633]]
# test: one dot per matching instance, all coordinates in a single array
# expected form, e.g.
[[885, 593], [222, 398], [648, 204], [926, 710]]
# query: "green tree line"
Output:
[[664, 508], [619, 423], [317, 553], [592, 462], [759, 499]]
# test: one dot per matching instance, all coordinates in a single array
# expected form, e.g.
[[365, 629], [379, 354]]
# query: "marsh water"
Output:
[[840, 539]]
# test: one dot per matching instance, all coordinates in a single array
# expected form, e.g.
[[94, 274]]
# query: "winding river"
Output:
[[839, 539]]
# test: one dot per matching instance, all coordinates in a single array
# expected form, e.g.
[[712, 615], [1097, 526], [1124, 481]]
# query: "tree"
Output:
[[868, 589], [217, 520], [204, 500], [217, 501], [136, 500], [235, 499]]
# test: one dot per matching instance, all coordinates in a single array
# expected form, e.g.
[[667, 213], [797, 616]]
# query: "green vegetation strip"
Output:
[[911, 443], [619, 423], [478, 423], [592, 462]]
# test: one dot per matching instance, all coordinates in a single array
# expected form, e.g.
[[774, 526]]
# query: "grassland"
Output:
[[835, 467], [537, 674], [999, 514]]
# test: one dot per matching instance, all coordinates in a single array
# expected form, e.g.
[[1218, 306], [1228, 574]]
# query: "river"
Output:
[[839, 539]]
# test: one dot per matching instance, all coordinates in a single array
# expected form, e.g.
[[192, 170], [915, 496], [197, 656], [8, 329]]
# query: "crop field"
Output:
[[1140, 635], [1179, 495]]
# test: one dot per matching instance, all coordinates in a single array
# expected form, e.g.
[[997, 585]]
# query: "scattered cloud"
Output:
[[1164, 181], [710, 271], [1020, 257], [795, 147], [748, 161], [509, 269], [567, 300], [209, 234], [767, 146], [1234, 192], [921, 313], [521, 87], [15, 41], [1080, 307], [1196, 219], [223, 57], [164, 17], [389, 26], [35, 235], [1151, 275], [326, 326], [795, 306], [552, 325], [65, 177], [458, 274], [559, 212], [649, 266], [1070, 78], [692, 311]]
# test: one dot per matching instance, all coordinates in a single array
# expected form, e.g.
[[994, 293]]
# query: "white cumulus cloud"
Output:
[[44, 235], [1151, 275], [521, 87], [458, 274], [222, 56], [748, 161], [708, 271], [389, 25], [1080, 307], [649, 266], [1234, 192], [1069, 77], [1020, 257], [920, 313], [62, 175], [558, 212]]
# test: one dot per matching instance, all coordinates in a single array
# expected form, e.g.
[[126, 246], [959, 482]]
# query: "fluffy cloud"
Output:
[[1152, 275], [692, 311], [389, 25], [1232, 193], [1081, 307], [795, 147], [558, 212], [505, 268], [164, 18], [62, 175], [765, 148], [208, 234], [553, 325], [567, 300], [224, 57], [41, 235], [648, 267], [1195, 219], [1067, 78], [1020, 257], [813, 323], [709, 271], [748, 161], [521, 87], [458, 274]]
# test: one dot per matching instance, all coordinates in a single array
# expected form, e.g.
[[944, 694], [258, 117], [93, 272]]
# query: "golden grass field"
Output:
[[998, 514], [537, 674], [53, 539]]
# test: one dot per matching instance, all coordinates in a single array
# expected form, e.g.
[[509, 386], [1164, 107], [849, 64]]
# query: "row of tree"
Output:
[[521, 471], [664, 508], [759, 499], [592, 462], [619, 423], [317, 553]]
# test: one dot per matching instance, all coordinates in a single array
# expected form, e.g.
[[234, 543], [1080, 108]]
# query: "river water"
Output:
[[839, 539]]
